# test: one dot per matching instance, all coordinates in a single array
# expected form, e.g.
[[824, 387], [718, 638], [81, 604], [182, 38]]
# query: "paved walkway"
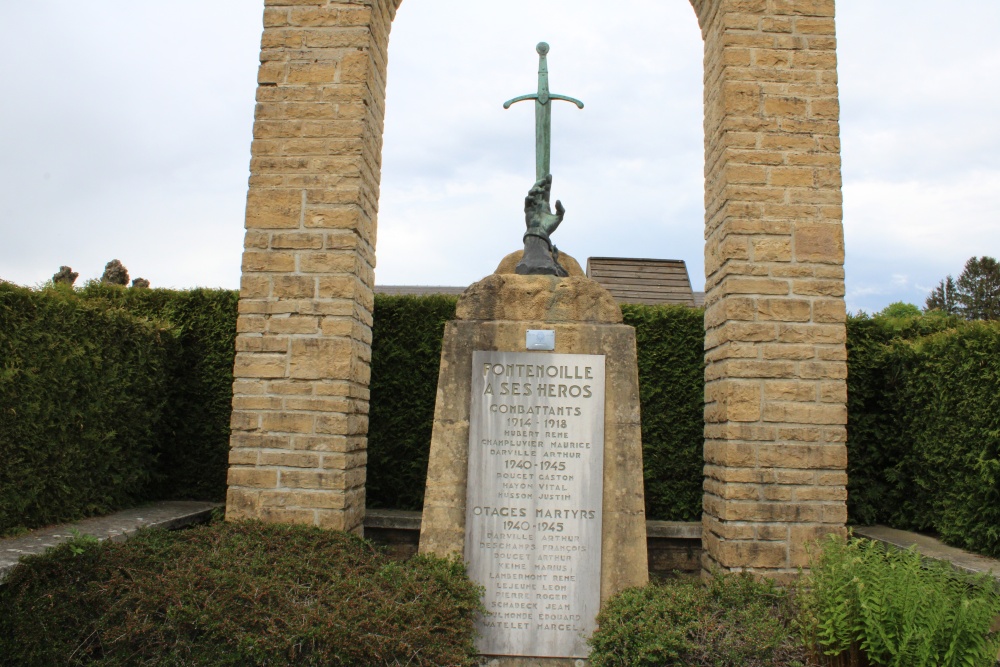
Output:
[[174, 514], [932, 548], [170, 514]]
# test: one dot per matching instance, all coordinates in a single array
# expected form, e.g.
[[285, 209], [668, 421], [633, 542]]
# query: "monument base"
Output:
[[495, 315]]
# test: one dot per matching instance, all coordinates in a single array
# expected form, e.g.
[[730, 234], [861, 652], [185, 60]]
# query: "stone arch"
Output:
[[775, 339]]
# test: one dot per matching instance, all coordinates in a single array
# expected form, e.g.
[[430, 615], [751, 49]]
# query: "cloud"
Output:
[[127, 132], [628, 167], [921, 147], [914, 98], [917, 230]]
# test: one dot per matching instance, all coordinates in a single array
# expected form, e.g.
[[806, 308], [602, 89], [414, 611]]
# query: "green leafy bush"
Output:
[[82, 390], [193, 437], [732, 621], [406, 355], [406, 358], [924, 427], [236, 594], [951, 406], [670, 349], [874, 441], [900, 309], [862, 604]]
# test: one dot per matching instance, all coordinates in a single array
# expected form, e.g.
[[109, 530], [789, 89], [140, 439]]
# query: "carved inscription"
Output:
[[533, 512]]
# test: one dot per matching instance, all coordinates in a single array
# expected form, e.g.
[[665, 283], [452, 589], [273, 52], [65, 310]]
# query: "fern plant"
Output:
[[864, 604]]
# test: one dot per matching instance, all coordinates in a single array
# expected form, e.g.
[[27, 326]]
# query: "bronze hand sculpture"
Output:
[[541, 257]]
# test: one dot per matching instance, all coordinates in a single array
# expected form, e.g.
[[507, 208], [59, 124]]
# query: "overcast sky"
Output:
[[125, 131]]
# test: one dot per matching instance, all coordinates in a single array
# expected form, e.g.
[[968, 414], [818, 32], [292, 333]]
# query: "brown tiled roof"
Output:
[[635, 280], [630, 280]]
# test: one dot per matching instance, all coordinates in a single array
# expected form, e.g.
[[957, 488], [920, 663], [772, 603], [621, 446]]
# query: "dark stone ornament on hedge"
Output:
[[65, 276], [115, 273], [540, 256]]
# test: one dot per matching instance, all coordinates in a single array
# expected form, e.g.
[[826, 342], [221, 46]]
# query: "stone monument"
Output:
[[775, 392], [535, 472]]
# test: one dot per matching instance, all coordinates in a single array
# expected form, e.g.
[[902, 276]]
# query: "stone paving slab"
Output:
[[932, 548], [674, 530], [169, 514], [393, 519], [406, 520]]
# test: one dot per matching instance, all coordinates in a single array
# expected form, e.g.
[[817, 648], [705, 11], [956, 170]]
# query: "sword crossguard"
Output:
[[536, 96]]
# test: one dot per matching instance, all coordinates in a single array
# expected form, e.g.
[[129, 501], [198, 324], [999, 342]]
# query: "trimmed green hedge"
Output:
[[193, 437], [671, 359], [236, 595], [406, 353], [924, 427], [406, 356], [110, 396], [873, 428], [82, 389]]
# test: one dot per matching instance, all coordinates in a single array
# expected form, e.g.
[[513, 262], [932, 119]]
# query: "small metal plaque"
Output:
[[540, 339], [534, 500]]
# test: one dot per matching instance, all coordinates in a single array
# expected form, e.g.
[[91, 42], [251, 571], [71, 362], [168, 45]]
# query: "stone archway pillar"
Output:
[[300, 396], [776, 362], [775, 394]]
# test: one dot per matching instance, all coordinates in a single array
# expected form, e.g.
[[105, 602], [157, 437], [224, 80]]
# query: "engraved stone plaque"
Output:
[[534, 500]]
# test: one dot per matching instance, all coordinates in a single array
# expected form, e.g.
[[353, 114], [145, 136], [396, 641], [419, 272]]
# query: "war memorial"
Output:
[[535, 475]]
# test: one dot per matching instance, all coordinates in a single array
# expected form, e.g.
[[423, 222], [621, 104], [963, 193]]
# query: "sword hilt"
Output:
[[534, 96]]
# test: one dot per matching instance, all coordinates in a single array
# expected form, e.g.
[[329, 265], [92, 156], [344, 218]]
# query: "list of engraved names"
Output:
[[533, 512]]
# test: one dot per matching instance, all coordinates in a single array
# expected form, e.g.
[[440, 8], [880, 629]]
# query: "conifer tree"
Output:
[[974, 296], [978, 289], [943, 298]]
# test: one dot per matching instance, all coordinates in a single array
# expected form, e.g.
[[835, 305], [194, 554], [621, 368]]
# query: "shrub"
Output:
[[236, 594], [951, 408], [82, 390], [874, 444], [733, 621], [193, 437], [406, 354], [900, 309], [406, 357], [863, 604], [924, 427], [671, 359]]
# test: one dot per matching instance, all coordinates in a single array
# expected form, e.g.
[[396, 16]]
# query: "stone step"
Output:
[[169, 514]]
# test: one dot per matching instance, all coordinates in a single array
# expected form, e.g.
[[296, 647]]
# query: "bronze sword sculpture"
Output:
[[540, 256]]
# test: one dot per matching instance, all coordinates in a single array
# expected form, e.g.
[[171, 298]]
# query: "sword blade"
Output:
[[543, 140], [543, 117]]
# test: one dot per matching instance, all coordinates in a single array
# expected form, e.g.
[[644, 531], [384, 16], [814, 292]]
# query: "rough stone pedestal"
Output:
[[494, 314]]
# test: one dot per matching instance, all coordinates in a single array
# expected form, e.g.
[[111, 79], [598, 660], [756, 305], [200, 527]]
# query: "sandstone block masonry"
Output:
[[775, 413], [776, 364], [300, 396]]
